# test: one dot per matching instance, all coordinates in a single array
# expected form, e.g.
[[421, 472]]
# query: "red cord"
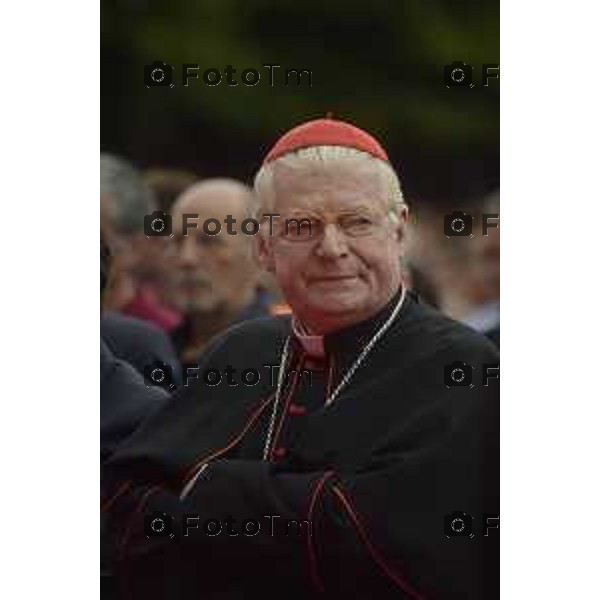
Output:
[[399, 580]]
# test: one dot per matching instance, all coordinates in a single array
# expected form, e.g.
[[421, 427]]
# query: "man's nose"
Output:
[[188, 251], [333, 243]]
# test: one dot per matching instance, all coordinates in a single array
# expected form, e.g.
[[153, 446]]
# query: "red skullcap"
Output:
[[326, 132]]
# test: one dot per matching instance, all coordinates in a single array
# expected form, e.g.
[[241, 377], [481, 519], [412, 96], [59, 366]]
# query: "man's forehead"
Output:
[[217, 199], [336, 183]]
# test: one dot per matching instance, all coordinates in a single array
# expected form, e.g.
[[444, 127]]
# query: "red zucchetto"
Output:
[[326, 132]]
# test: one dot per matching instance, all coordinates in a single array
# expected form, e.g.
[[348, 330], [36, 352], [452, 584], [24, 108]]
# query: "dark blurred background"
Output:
[[377, 64]]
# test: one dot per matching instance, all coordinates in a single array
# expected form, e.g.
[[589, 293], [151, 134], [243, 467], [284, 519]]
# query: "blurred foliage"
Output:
[[378, 64]]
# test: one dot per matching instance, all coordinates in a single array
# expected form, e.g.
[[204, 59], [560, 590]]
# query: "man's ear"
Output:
[[263, 249], [400, 220]]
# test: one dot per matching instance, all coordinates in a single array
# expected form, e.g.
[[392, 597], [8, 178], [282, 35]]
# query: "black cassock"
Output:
[[374, 475]]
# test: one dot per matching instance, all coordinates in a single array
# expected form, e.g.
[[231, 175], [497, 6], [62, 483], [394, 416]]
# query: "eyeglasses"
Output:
[[303, 230]]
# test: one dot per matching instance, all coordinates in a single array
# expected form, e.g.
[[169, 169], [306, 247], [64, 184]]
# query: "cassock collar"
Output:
[[313, 345], [348, 340]]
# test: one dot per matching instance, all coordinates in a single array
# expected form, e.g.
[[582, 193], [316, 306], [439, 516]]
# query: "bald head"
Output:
[[216, 198], [212, 272]]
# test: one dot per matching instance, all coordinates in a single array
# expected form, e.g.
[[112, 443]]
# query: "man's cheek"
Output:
[[283, 263], [288, 278]]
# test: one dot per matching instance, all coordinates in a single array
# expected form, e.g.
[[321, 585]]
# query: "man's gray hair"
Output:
[[263, 182], [130, 196]]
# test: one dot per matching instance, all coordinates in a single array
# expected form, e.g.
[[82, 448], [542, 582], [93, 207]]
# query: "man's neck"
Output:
[[322, 327], [346, 335]]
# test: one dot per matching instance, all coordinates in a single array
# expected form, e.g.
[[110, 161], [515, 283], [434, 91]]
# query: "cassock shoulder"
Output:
[[249, 344], [426, 332], [255, 332], [204, 417], [420, 365]]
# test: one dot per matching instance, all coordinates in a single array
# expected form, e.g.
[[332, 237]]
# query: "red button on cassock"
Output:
[[279, 452], [296, 409]]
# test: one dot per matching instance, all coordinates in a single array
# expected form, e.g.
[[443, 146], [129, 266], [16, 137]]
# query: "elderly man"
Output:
[[134, 288], [386, 467], [124, 344], [213, 279]]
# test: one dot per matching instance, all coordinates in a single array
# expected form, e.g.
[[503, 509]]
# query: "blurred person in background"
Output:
[[168, 185], [138, 342], [461, 273], [213, 280], [138, 260], [124, 399], [486, 263]]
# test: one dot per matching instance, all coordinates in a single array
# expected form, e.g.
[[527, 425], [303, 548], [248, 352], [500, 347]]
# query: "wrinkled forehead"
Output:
[[213, 201], [330, 186]]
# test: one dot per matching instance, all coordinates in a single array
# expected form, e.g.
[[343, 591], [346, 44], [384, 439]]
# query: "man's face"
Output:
[[135, 254], [209, 273], [349, 267], [121, 245]]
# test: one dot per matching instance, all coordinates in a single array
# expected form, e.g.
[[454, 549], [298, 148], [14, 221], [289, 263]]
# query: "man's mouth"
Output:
[[193, 284], [333, 278]]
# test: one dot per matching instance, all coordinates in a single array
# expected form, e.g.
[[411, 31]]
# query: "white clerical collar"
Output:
[[312, 344]]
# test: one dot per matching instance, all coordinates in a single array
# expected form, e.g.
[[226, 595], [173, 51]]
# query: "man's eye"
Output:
[[299, 229], [207, 240], [357, 224]]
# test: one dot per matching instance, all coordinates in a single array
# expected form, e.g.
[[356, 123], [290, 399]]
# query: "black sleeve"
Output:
[[139, 343], [125, 401]]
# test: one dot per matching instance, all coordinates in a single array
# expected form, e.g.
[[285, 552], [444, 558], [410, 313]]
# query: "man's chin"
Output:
[[337, 303], [205, 306], [340, 295]]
